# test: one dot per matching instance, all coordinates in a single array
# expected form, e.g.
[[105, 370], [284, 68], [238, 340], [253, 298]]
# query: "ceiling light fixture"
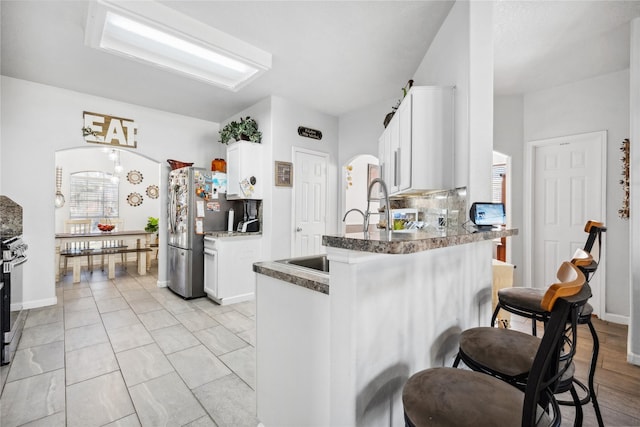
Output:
[[155, 34]]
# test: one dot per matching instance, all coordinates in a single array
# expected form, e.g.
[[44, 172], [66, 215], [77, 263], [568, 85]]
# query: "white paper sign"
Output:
[[199, 208]]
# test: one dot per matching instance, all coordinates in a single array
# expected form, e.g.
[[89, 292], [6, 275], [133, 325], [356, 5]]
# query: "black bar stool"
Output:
[[457, 397], [525, 302]]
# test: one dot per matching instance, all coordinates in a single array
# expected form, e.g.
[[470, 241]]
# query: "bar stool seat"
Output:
[[484, 348], [453, 406], [524, 298]]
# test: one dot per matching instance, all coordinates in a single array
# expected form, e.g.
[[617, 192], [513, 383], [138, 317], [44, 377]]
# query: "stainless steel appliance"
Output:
[[250, 221], [13, 317], [194, 207]]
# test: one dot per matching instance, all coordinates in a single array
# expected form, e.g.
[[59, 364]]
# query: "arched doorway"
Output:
[[134, 179], [356, 174]]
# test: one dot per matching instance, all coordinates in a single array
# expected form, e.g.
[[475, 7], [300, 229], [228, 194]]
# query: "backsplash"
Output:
[[10, 218], [452, 204]]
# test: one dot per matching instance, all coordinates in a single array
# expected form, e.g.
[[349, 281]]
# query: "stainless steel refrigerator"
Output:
[[194, 208]]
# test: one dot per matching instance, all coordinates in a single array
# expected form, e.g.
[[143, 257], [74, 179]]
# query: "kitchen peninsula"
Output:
[[336, 347]]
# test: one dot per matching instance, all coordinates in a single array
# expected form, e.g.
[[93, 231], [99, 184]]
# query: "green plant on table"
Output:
[[152, 225]]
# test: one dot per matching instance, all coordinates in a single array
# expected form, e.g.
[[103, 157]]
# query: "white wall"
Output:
[[508, 138], [360, 130], [278, 120], [596, 104], [38, 120]]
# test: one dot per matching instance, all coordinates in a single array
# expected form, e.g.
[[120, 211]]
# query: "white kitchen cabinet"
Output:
[[416, 148], [228, 267], [245, 179]]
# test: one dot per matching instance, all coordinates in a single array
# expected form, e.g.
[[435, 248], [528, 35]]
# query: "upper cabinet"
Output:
[[245, 179], [416, 148]]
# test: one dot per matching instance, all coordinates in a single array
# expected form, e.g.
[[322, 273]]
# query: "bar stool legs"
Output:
[[590, 391]]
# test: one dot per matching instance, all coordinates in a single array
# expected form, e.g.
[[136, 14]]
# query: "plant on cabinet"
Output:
[[246, 129]]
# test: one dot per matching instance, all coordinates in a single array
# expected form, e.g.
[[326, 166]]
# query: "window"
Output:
[[93, 195], [496, 187]]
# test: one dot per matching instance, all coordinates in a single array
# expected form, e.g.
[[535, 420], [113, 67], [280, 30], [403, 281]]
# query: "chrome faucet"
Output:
[[389, 226], [344, 218]]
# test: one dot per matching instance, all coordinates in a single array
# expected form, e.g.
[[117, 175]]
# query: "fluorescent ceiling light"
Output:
[[155, 34]]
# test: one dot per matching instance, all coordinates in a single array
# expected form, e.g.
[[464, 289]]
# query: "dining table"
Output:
[[142, 238]]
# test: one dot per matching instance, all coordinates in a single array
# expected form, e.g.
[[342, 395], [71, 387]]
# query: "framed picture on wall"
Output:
[[373, 172], [284, 174]]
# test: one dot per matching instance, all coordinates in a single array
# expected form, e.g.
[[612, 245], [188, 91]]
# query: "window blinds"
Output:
[[496, 182], [93, 195]]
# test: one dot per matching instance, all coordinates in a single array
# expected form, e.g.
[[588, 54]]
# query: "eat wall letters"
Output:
[[109, 130]]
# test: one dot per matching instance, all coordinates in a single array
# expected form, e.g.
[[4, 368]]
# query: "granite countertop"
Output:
[[411, 242], [219, 234], [307, 278], [378, 242]]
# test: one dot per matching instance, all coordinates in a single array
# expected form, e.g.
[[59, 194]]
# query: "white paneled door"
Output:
[[310, 205], [568, 183]]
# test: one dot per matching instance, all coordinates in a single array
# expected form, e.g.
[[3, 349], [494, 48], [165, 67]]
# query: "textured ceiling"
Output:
[[541, 44], [333, 56]]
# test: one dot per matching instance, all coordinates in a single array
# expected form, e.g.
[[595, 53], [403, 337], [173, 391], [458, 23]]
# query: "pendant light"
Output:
[[59, 201]]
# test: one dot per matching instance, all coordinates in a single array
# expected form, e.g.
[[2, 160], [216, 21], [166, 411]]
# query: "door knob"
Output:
[[298, 228]]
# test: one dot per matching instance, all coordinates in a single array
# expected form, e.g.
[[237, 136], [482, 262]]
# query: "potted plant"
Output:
[[152, 226], [246, 129], [389, 116]]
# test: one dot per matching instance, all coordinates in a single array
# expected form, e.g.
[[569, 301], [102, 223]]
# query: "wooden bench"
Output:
[[77, 255], [154, 247], [111, 254]]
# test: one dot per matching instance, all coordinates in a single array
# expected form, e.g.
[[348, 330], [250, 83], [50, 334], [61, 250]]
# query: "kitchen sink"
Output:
[[314, 262]]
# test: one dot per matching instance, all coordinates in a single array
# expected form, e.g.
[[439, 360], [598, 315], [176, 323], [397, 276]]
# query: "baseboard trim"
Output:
[[633, 358], [28, 305], [163, 283], [616, 318]]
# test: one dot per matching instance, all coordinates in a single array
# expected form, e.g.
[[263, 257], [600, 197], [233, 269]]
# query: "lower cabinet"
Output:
[[228, 267]]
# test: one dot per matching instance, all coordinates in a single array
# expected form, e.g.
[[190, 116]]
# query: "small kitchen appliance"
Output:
[[251, 225], [250, 222]]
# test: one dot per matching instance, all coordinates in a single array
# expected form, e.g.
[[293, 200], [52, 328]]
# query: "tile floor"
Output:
[[123, 352]]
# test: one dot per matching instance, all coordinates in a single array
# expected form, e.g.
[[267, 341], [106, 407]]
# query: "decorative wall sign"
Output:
[[134, 177], [309, 133], [134, 199], [624, 211], [109, 130], [153, 191], [284, 174]]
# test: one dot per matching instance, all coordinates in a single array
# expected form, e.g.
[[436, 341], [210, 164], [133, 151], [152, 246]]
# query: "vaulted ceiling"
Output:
[[334, 56]]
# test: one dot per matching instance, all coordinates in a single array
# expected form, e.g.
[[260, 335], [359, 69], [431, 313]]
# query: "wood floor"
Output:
[[617, 382]]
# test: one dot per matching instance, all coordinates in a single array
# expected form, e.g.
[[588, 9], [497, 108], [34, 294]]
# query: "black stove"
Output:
[[12, 317]]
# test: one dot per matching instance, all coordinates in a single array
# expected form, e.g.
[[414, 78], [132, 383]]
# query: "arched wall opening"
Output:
[[141, 190], [356, 175]]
